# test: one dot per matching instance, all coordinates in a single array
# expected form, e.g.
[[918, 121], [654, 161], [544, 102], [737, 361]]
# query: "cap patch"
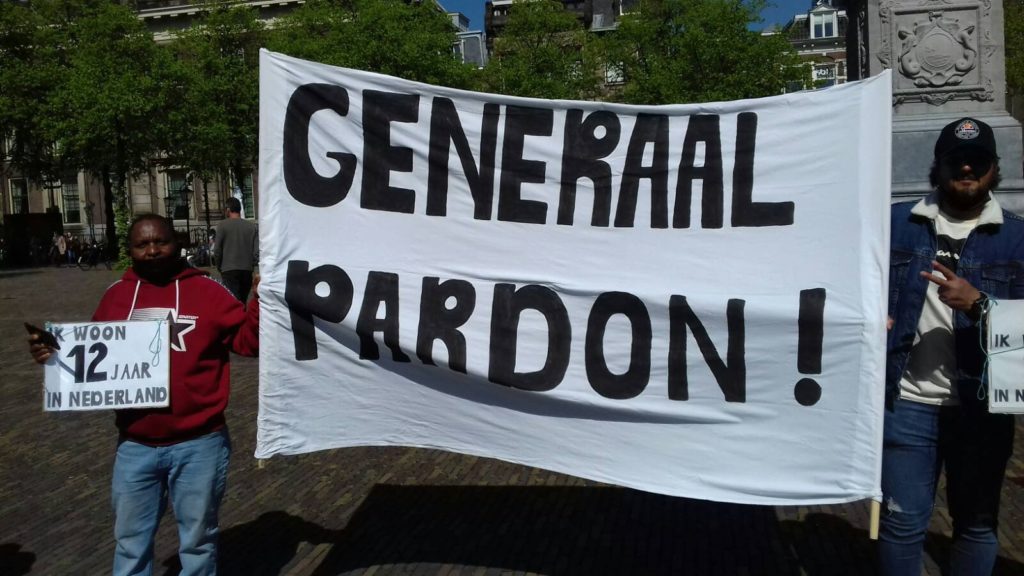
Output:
[[967, 130]]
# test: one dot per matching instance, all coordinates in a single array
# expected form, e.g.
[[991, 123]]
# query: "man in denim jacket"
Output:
[[951, 253]]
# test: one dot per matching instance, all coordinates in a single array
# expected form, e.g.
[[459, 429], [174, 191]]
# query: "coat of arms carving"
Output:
[[937, 53]]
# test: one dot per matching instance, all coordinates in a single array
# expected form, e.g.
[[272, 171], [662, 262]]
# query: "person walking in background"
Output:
[[73, 249], [211, 243], [236, 250], [950, 253], [60, 248]]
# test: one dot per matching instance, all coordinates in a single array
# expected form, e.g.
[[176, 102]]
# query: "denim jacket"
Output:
[[992, 260]]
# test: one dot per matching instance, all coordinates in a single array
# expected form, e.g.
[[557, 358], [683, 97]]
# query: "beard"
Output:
[[965, 191], [158, 270], [965, 194]]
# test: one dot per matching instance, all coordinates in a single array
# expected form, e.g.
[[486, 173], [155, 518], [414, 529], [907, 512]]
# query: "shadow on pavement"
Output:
[[264, 546], [557, 531], [14, 562], [544, 529], [820, 537], [819, 540]]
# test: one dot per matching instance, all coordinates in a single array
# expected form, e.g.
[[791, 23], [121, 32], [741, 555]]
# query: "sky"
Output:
[[779, 13]]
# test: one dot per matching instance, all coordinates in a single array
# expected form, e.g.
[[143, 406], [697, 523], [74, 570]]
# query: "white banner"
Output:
[[684, 299], [104, 365], [1006, 357]]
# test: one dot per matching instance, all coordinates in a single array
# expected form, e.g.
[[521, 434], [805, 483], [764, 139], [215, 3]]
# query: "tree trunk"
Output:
[[108, 212]]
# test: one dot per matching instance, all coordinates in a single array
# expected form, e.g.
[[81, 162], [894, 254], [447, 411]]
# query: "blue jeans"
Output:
[[974, 447], [193, 474]]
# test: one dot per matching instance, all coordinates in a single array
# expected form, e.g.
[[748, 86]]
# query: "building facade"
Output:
[[595, 15], [819, 38]]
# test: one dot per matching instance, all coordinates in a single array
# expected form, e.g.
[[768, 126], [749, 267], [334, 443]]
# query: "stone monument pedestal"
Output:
[[948, 62]]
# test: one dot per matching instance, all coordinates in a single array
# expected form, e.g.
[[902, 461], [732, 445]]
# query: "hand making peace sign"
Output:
[[954, 291]]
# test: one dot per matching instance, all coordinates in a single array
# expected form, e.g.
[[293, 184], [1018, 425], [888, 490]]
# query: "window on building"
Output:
[[614, 74], [19, 195], [177, 208], [72, 207], [245, 187], [823, 25], [824, 75], [576, 70]]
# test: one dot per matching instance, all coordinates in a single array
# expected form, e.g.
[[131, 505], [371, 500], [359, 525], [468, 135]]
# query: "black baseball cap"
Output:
[[966, 135]]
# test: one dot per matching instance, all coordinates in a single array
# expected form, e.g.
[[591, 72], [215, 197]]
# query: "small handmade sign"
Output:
[[1006, 357], [102, 365]]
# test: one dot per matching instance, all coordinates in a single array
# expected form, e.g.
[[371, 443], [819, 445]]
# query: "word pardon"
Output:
[[108, 365], [445, 306]]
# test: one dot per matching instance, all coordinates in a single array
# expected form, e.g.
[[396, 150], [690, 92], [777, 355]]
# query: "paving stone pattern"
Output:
[[390, 510]]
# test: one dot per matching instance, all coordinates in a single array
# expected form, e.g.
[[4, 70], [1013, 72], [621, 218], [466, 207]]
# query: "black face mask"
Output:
[[979, 162], [158, 270]]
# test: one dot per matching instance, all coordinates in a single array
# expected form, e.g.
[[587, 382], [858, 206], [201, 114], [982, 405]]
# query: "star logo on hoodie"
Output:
[[180, 326]]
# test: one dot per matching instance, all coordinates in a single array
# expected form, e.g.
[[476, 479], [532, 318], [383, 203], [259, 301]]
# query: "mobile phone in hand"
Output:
[[44, 336]]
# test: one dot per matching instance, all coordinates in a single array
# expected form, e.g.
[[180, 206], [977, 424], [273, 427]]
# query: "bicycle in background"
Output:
[[199, 256], [93, 255]]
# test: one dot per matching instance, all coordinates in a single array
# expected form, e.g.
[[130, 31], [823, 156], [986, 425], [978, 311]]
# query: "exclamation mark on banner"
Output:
[[808, 355]]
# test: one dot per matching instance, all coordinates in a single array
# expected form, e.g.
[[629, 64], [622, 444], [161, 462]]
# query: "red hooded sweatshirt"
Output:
[[207, 323]]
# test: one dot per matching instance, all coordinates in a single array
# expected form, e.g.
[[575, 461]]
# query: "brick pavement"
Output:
[[390, 510]]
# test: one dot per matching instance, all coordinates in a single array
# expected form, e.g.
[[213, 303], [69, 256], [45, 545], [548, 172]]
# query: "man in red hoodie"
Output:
[[180, 452]]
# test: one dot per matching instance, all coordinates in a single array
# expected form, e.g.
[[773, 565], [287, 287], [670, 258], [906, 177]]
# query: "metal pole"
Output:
[[206, 202], [188, 213]]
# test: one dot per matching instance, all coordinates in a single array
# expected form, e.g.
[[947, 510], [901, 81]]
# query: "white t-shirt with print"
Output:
[[932, 364]]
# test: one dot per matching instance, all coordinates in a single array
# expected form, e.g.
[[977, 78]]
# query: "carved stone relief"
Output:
[[938, 53], [935, 48]]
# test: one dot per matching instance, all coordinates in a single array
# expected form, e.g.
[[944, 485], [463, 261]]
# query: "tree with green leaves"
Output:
[[1013, 12], [111, 103], [31, 72], [543, 52], [214, 120], [410, 40], [680, 51]]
